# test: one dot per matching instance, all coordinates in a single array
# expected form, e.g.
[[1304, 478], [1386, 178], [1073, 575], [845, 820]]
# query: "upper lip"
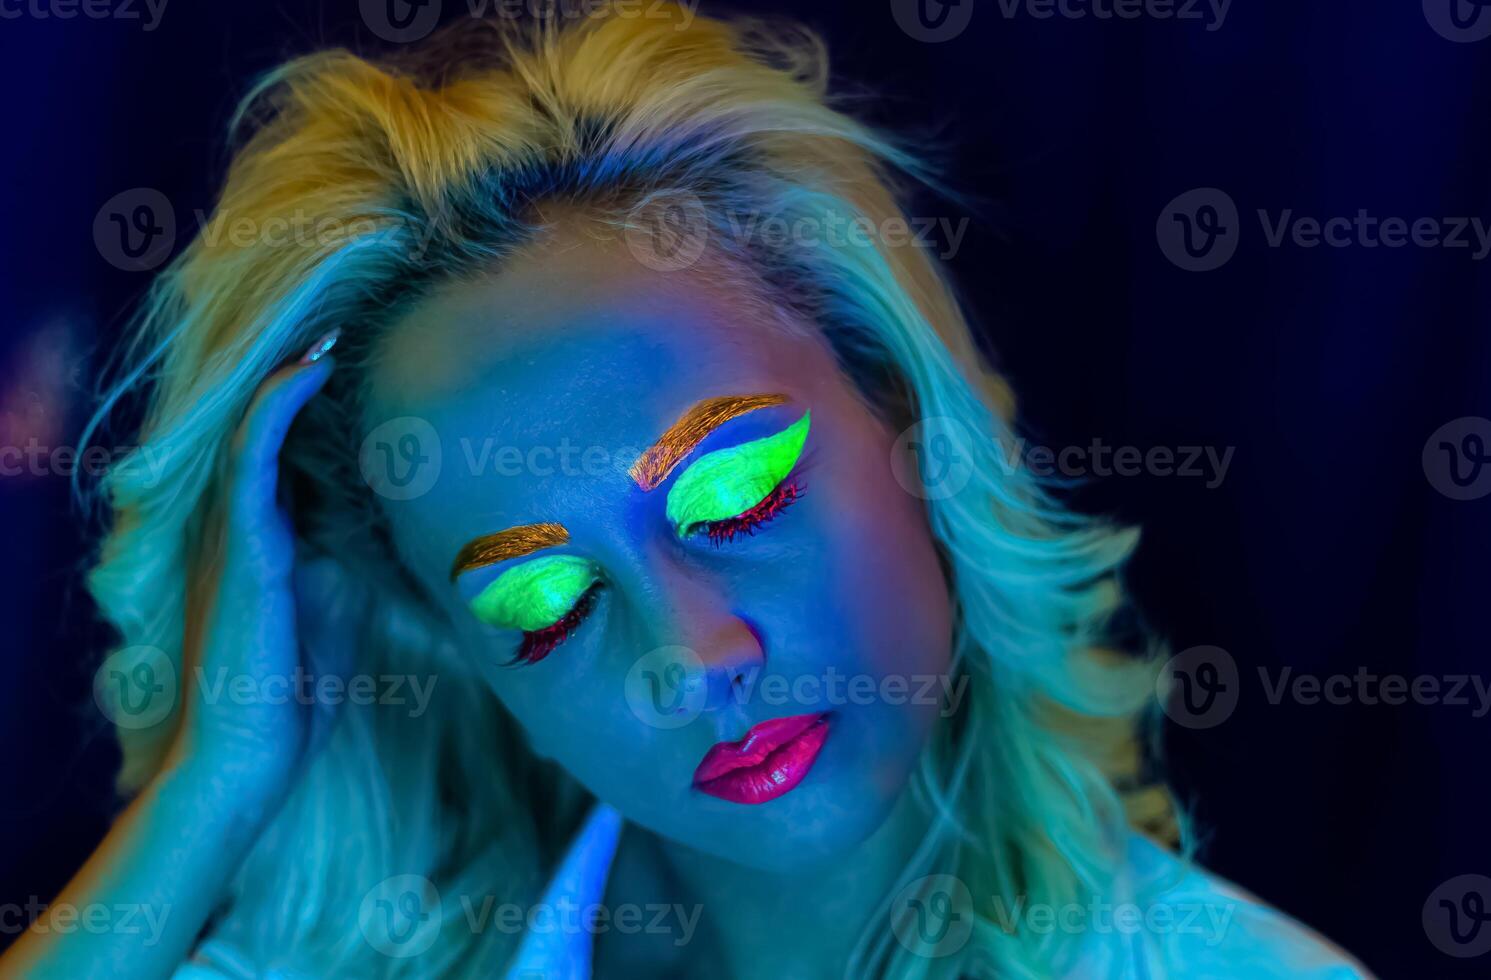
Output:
[[754, 747]]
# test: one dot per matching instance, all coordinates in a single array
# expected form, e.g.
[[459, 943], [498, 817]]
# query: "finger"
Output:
[[259, 540]]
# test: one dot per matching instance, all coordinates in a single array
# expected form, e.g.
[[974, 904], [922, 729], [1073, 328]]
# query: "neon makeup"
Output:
[[515, 542], [769, 762], [730, 483], [535, 595], [653, 466]]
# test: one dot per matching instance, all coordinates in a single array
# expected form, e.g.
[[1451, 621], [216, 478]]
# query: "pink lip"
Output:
[[768, 762]]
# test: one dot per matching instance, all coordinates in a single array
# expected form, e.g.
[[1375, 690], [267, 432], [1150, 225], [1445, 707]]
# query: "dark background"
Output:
[[1327, 548]]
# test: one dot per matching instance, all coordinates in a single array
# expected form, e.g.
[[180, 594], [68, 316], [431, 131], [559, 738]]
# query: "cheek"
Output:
[[586, 727], [564, 714], [886, 571], [574, 709]]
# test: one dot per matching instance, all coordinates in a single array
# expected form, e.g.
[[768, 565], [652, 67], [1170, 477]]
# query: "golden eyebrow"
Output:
[[515, 542], [653, 466]]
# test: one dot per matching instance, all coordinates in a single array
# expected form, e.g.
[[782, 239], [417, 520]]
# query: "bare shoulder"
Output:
[[1203, 925]]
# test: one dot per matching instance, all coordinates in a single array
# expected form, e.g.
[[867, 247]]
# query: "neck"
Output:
[[814, 919]]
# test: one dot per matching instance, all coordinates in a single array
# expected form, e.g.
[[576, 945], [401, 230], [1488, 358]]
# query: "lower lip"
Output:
[[777, 774]]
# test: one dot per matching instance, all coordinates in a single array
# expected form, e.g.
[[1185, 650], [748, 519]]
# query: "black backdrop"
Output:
[[1332, 546]]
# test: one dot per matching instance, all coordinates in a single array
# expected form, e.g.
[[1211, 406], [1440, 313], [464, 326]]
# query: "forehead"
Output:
[[572, 348], [574, 334]]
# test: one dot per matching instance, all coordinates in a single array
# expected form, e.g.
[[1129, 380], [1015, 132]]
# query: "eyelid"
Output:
[[728, 482], [536, 594]]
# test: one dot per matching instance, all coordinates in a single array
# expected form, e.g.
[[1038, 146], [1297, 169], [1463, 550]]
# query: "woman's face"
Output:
[[684, 520]]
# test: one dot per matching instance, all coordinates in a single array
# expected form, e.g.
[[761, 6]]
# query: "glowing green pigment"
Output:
[[728, 482], [535, 594]]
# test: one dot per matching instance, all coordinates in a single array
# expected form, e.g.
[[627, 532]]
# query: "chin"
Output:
[[822, 821]]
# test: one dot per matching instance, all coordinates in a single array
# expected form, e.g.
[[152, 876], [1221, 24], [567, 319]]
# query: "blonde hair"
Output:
[[427, 166]]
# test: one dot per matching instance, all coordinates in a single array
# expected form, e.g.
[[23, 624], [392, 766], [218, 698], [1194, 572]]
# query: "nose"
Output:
[[698, 615], [731, 656]]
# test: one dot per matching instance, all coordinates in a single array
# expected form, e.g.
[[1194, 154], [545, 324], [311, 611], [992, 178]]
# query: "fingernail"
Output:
[[320, 347]]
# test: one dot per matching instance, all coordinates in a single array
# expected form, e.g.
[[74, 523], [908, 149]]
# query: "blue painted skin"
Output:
[[535, 593], [572, 346], [232, 761], [845, 581]]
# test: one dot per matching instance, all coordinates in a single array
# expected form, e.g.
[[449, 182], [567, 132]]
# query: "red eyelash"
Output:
[[538, 644], [777, 501]]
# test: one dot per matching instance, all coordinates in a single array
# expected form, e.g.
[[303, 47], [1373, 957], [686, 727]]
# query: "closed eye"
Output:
[[735, 490], [538, 644], [545, 598], [774, 503]]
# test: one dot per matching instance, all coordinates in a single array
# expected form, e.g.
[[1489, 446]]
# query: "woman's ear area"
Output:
[[328, 598], [328, 605], [335, 604], [336, 609]]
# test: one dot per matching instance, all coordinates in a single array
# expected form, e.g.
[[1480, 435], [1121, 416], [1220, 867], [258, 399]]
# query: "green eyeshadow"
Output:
[[728, 482], [536, 594]]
